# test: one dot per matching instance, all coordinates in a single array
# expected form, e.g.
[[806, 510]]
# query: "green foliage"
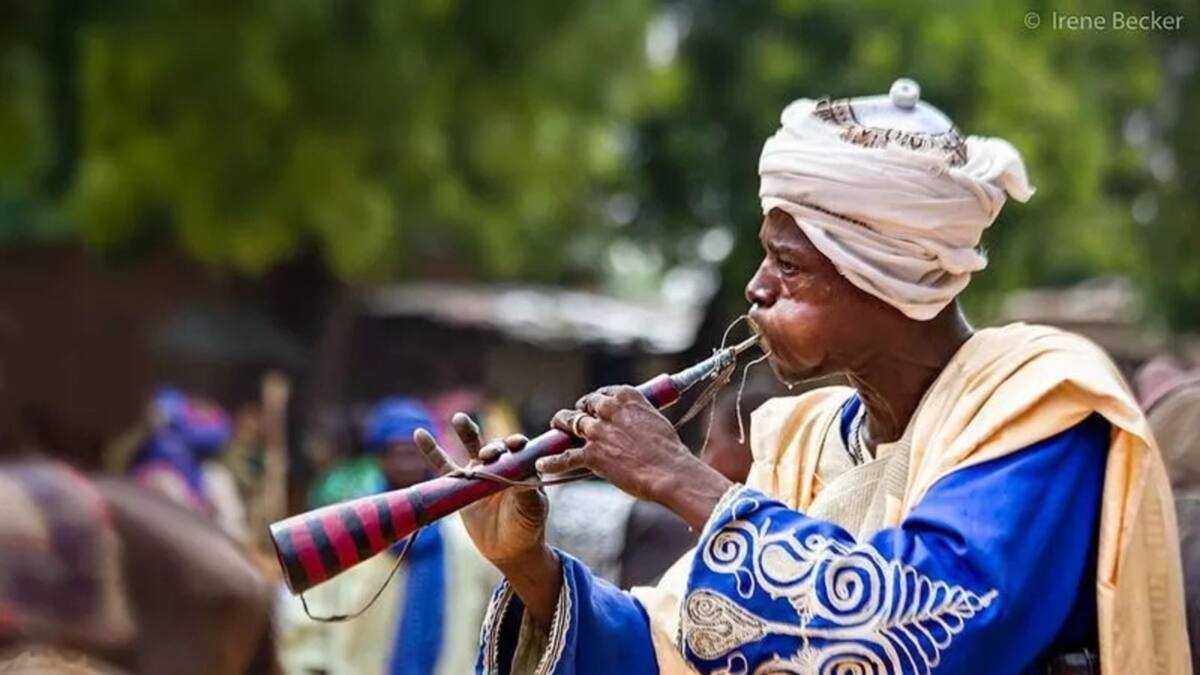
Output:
[[504, 140], [391, 135]]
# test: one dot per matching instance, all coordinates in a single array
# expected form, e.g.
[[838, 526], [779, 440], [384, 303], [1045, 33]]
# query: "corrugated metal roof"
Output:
[[549, 315]]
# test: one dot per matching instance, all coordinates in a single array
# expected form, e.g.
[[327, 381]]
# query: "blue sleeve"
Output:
[[597, 629], [982, 576]]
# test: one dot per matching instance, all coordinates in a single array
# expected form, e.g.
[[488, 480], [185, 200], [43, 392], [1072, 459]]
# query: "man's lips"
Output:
[[763, 343]]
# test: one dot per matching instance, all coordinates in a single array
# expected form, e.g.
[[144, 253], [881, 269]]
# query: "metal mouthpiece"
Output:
[[686, 379], [745, 344]]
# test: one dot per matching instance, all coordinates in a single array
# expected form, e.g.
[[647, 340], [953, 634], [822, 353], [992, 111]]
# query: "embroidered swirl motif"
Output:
[[718, 625], [858, 613]]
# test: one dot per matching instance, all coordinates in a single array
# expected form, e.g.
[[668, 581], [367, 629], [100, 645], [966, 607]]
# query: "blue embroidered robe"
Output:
[[992, 572]]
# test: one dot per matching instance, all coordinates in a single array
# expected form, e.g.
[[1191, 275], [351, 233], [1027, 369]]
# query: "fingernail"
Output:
[[542, 463]]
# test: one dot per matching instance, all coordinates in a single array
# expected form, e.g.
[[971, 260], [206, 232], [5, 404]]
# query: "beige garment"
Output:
[[229, 511], [1006, 388], [362, 646]]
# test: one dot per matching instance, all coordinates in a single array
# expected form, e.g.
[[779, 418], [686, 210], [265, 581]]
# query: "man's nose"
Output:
[[759, 290]]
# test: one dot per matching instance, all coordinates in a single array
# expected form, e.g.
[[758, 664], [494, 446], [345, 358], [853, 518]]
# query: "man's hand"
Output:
[[631, 445], [509, 527]]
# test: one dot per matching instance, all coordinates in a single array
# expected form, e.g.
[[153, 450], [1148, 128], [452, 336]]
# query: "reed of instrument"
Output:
[[316, 546]]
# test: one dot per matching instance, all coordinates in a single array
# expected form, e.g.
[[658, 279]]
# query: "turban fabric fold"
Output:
[[900, 214]]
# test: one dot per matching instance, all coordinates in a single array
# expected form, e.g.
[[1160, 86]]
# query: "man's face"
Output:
[[812, 320], [402, 464]]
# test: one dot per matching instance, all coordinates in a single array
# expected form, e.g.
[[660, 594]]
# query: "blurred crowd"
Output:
[[162, 562]]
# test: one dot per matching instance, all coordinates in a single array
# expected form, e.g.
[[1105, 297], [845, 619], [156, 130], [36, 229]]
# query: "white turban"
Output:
[[902, 224]]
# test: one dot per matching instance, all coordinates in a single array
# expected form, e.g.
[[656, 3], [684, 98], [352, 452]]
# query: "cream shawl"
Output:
[[1005, 389]]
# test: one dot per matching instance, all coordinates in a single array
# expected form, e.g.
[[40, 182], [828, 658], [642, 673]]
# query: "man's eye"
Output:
[[787, 267]]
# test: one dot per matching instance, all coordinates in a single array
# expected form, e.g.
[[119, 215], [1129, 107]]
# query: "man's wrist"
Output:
[[692, 490], [537, 563], [537, 579]]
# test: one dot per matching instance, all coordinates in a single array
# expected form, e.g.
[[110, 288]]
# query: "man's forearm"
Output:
[[692, 490], [537, 580]]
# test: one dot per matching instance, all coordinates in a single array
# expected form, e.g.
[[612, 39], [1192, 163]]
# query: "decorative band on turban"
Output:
[[887, 189]]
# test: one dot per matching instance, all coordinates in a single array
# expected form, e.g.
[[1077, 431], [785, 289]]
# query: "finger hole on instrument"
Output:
[[468, 432]]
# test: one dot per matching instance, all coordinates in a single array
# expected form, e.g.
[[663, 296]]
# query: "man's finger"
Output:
[[585, 402], [623, 392], [491, 451], [515, 442], [605, 407], [568, 461], [563, 419], [431, 452], [574, 422], [532, 505], [468, 432]]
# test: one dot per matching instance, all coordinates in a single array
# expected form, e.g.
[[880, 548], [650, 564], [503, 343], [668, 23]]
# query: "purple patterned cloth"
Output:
[[60, 577]]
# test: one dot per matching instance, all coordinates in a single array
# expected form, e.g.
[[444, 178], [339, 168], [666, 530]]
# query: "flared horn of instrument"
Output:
[[316, 546]]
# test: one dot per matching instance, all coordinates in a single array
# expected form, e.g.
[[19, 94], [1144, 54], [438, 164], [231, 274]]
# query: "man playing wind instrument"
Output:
[[975, 502]]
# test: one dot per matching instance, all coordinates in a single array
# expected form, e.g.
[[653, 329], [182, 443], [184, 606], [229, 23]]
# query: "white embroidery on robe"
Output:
[[876, 615], [560, 625], [490, 634]]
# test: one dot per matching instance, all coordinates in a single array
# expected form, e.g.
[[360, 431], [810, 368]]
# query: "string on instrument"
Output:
[[742, 390], [709, 395], [338, 618]]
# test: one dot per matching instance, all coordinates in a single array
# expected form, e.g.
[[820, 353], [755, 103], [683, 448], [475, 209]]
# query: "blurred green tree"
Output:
[[543, 139], [391, 136]]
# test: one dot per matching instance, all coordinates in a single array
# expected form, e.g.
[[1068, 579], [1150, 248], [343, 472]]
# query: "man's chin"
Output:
[[788, 374]]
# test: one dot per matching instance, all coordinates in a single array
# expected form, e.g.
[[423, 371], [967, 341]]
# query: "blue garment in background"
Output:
[[418, 639], [167, 448], [393, 420]]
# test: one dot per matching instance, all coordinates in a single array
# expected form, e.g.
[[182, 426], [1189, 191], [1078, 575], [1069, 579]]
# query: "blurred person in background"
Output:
[[1172, 393], [257, 459], [427, 621], [180, 459]]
